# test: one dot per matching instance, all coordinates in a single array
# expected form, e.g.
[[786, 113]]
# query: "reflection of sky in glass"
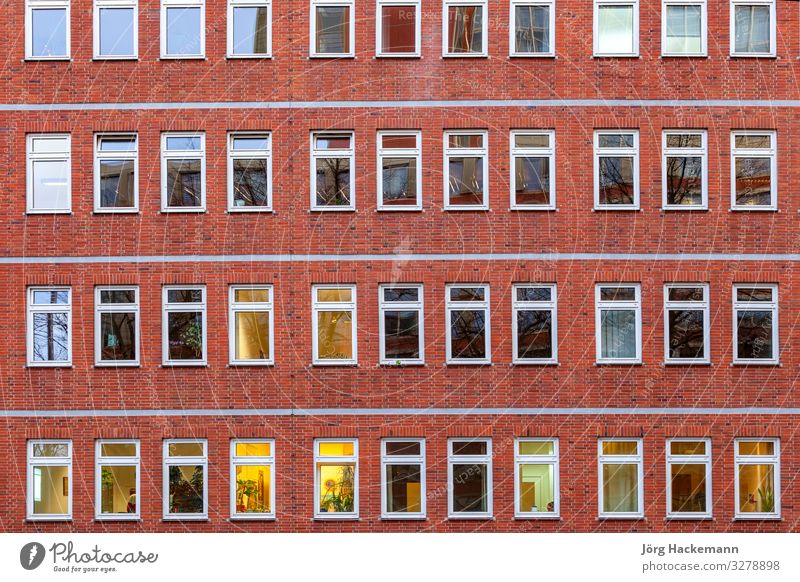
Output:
[[250, 30], [49, 32], [116, 32], [183, 31], [615, 29]]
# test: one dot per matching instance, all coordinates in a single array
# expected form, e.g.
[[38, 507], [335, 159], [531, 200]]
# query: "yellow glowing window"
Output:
[[336, 449], [756, 448], [536, 448], [338, 295], [186, 449], [620, 448], [335, 335], [253, 489], [253, 450], [687, 448], [251, 295], [118, 449]]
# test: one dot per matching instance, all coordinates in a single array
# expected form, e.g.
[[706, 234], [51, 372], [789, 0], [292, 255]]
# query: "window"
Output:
[[117, 479], [753, 28], [758, 478], [533, 164], [401, 324], [336, 478], [685, 180], [403, 478], [116, 171], [468, 340], [616, 28], [50, 480], [399, 170], [116, 29], [251, 325], [49, 173], [185, 479], [249, 172], [465, 170], [464, 28], [183, 24], [688, 478], [184, 325], [332, 163], [535, 339], [683, 28], [47, 29], [253, 479], [469, 478], [755, 328], [334, 324], [249, 28], [116, 328], [49, 326], [616, 163], [536, 478], [620, 478], [183, 171], [398, 28], [533, 26], [618, 318], [332, 28], [754, 170], [686, 323]]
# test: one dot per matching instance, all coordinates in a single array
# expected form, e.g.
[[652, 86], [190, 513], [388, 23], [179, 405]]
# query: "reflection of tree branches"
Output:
[[50, 337], [686, 336], [250, 182], [614, 187], [333, 182], [468, 334], [395, 181], [534, 329], [683, 180]]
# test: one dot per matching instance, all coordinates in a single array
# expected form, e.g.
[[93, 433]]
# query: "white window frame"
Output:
[[418, 306], [167, 307], [482, 152], [417, 4], [415, 153], [601, 305], [268, 461], [772, 28], [771, 154], [638, 460], [100, 308], [312, 49], [98, 5], [774, 460], [325, 460], [167, 462], [484, 52], [512, 19], [703, 305], [183, 155], [116, 155], [60, 156], [348, 154], [317, 306], [249, 4], [675, 459], [523, 152], [251, 155], [387, 460], [165, 4], [523, 459], [100, 461], [484, 305], [703, 27], [701, 152], [596, 27], [30, 6], [49, 308], [52, 461], [486, 459], [632, 152], [771, 306], [519, 305], [264, 307]]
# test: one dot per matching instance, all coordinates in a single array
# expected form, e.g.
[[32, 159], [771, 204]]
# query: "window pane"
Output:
[[683, 29], [253, 449], [333, 182], [468, 334], [470, 448], [252, 488], [753, 181], [116, 32], [534, 334], [686, 293], [250, 26], [620, 448], [186, 449], [50, 490], [684, 140], [534, 294], [615, 140], [250, 183], [752, 448], [687, 448], [753, 294], [752, 29], [536, 448], [756, 488], [186, 488], [117, 489], [532, 29], [118, 449], [537, 488], [688, 488], [403, 448], [185, 335], [46, 297], [335, 335], [50, 184], [49, 32], [332, 142], [465, 29], [117, 336], [531, 141], [117, 144], [467, 293], [250, 143], [50, 337], [398, 30], [336, 488], [184, 183], [183, 31], [252, 335], [532, 180], [117, 296], [117, 183], [399, 181], [686, 334], [615, 29], [751, 141], [754, 333], [184, 143], [399, 141], [620, 488], [341, 295], [333, 29], [403, 489], [618, 334], [616, 180], [336, 449], [50, 449], [251, 295], [465, 140], [466, 181], [402, 335], [470, 488], [184, 295], [685, 180], [401, 294]]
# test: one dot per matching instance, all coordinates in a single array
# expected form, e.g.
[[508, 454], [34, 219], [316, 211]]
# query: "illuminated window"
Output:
[[752, 28], [533, 166], [464, 28], [468, 339], [49, 173], [534, 333], [251, 325], [686, 323], [185, 479], [116, 169], [398, 28], [620, 480], [49, 326], [533, 26], [754, 170], [755, 327], [249, 28], [399, 170], [618, 323], [758, 478], [183, 169], [116, 27], [466, 170], [332, 28], [616, 170], [332, 179], [117, 479], [183, 24], [469, 478], [116, 326], [685, 180], [334, 324], [401, 324], [249, 172], [50, 480], [47, 29], [336, 478], [616, 28], [536, 478], [253, 479], [184, 326], [683, 28], [403, 478], [688, 478]]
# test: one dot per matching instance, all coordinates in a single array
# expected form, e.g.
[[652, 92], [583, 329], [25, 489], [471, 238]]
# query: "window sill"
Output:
[[613, 56], [47, 59], [471, 518], [601, 364], [467, 56], [103, 59], [757, 518], [466, 209], [248, 57], [250, 365], [758, 364], [537, 518], [103, 366], [616, 209], [185, 518], [468, 364], [400, 209], [752, 209], [263, 210], [391, 365], [687, 208], [334, 365], [116, 519], [686, 56], [183, 211], [320, 518], [399, 56], [332, 57], [181, 365], [31, 212], [67, 519], [532, 56], [621, 518], [168, 58], [755, 56], [333, 209], [676, 363], [47, 366], [689, 518], [404, 518], [533, 363], [101, 212], [241, 518], [533, 209]]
